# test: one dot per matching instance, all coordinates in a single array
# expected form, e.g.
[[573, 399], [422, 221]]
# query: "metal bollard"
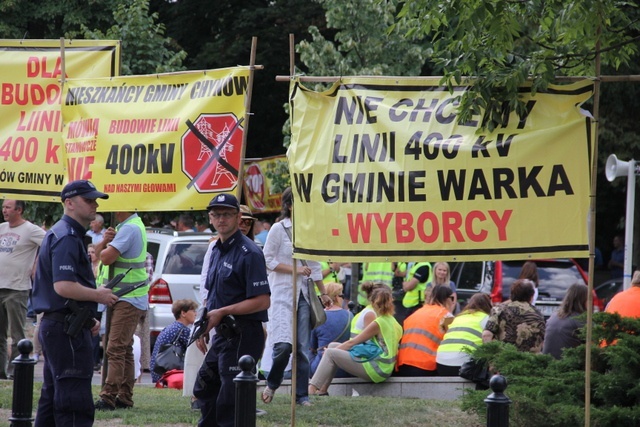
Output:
[[497, 403], [22, 386], [246, 393]]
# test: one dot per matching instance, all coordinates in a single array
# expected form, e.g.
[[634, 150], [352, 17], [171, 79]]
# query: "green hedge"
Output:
[[549, 392]]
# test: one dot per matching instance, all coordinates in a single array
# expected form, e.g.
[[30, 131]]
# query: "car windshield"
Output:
[[555, 277], [185, 258]]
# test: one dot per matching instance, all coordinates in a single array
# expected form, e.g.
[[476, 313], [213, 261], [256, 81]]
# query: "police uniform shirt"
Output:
[[422, 273], [63, 257], [237, 272]]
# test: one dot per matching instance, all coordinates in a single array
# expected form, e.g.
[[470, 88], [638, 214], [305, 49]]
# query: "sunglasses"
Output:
[[246, 221]]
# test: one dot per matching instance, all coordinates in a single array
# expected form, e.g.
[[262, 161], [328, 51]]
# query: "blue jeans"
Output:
[[282, 351]]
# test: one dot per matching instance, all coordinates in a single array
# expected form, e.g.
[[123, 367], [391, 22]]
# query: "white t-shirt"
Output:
[[18, 248]]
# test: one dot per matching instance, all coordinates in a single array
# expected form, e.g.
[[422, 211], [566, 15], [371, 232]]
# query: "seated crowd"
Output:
[[432, 341]]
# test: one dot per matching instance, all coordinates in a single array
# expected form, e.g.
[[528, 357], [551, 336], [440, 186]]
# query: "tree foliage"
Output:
[[218, 34], [363, 44], [37, 19], [499, 45], [357, 41], [145, 48]]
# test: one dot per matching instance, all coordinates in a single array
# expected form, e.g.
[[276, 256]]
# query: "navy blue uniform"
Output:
[[66, 398], [237, 272]]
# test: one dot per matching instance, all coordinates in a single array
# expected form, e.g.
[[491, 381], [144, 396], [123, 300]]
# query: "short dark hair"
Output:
[[522, 290], [187, 220], [20, 204], [183, 305]]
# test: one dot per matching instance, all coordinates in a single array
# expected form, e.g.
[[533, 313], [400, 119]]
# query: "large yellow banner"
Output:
[[158, 142], [381, 170], [33, 161]]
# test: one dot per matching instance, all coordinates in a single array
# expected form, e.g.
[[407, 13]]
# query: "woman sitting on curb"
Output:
[[384, 331], [464, 334], [423, 332], [335, 329]]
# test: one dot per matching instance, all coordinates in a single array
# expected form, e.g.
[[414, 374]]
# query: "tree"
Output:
[[499, 45], [145, 50], [36, 19], [218, 34], [362, 44]]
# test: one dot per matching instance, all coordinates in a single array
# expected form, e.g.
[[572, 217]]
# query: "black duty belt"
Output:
[[56, 316]]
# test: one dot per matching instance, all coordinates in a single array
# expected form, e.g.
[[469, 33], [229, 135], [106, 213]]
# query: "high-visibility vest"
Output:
[[415, 296], [377, 272], [331, 277], [465, 332], [380, 368], [421, 337], [102, 277], [138, 271]]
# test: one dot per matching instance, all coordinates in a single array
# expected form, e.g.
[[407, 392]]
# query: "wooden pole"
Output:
[[563, 79], [62, 65], [247, 113], [592, 236], [294, 344]]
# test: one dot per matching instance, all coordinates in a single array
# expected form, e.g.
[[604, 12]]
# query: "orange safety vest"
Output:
[[421, 338]]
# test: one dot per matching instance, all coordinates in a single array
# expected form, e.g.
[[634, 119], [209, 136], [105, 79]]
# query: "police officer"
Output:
[[238, 292], [64, 274]]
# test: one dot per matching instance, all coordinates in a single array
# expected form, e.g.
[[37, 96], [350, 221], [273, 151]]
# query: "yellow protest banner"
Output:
[[159, 142], [381, 170], [33, 162], [264, 181]]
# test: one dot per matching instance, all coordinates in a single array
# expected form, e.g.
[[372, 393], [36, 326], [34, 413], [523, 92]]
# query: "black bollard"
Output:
[[22, 386], [246, 393], [497, 403]]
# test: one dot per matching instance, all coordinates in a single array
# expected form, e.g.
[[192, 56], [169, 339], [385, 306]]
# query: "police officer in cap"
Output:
[[238, 298], [64, 276]]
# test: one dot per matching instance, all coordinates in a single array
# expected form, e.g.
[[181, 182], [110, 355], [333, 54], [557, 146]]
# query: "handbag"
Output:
[[366, 351], [317, 316], [476, 371], [170, 356]]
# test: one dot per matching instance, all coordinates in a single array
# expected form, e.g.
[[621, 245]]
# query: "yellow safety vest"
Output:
[[464, 332], [377, 272], [138, 271], [380, 368]]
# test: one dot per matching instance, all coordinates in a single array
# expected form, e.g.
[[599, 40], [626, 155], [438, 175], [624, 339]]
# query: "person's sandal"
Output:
[[267, 394]]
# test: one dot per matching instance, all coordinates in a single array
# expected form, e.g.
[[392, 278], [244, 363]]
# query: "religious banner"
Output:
[[33, 160], [381, 170], [167, 142]]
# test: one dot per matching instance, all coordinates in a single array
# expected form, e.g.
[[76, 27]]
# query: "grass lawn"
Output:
[[167, 407]]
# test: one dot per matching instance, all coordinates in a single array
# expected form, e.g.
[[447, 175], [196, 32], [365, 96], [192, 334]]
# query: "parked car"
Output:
[[606, 290], [178, 262], [495, 278]]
